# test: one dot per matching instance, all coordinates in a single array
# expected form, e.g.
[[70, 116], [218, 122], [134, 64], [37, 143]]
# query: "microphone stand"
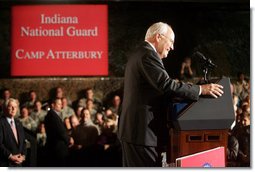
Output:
[[207, 66], [206, 76]]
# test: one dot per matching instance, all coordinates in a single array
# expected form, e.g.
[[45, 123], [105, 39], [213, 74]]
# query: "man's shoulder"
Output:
[[146, 47], [49, 114], [143, 50], [2, 118]]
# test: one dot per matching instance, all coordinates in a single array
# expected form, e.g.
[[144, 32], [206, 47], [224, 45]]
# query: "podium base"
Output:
[[183, 143]]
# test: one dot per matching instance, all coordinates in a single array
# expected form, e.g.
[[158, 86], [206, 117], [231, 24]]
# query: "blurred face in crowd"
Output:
[[59, 92], [78, 111], [38, 106], [6, 94], [85, 115], [89, 104], [32, 95], [238, 118], [89, 94], [42, 128], [74, 121], [67, 123], [116, 101], [99, 117], [24, 112], [246, 119], [241, 77], [108, 112], [64, 102], [187, 61], [57, 105], [12, 108]]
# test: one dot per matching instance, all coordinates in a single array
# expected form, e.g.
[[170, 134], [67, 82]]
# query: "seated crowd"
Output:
[[239, 133], [93, 125]]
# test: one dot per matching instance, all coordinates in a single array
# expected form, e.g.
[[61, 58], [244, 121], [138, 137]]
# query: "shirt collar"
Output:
[[10, 119], [155, 51], [58, 113], [151, 46]]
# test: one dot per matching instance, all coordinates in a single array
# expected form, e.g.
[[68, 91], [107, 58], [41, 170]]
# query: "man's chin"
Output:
[[165, 56]]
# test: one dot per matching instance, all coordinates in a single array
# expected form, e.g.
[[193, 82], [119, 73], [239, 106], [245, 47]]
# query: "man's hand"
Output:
[[18, 158], [214, 90], [71, 142]]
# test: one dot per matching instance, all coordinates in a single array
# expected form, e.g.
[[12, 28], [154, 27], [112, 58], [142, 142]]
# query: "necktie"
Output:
[[14, 130]]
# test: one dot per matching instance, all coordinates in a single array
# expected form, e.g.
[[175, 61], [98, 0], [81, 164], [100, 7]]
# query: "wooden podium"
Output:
[[201, 125]]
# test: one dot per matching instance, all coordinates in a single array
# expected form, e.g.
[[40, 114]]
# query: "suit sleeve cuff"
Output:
[[200, 90]]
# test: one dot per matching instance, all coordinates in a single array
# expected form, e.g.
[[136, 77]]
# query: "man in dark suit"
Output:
[[12, 137], [57, 139], [143, 121]]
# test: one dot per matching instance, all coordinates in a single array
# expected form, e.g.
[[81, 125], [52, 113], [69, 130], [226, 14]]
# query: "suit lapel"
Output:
[[8, 126], [18, 127]]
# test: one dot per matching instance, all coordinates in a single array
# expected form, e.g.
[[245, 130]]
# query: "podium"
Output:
[[201, 125]]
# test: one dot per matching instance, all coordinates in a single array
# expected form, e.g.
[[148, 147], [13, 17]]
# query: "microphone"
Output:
[[207, 61]]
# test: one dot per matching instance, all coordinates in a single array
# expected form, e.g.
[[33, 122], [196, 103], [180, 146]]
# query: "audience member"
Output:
[[186, 72], [89, 94], [59, 92], [105, 147], [232, 151], [78, 112], [31, 100], [115, 106], [240, 133], [100, 121], [67, 111], [57, 139], [41, 138], [240, 85], [38, 114], [68, 126], [86, 133], [41, 135], [26, 120], [244, 141], [108, 113], [91, 107], [74, 121], [12, 137], [3, 100], [245, 91]]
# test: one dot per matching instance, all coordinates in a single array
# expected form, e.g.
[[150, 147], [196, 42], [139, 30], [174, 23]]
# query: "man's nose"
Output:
[[172, 47]]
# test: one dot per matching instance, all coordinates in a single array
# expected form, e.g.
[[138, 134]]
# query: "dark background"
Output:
[[220, 29]]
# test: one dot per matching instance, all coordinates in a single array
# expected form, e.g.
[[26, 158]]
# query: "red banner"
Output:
[[59, 40]]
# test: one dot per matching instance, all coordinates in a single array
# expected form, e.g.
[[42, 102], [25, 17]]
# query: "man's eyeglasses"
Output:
[[169, 39]]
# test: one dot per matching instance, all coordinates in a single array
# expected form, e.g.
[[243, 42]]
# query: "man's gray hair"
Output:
[[160, 28], [11, 100], [7, 103]]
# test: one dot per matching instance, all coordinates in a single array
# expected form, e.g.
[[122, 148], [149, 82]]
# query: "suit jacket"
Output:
[[57, 138], [147, 88], [8, 144]]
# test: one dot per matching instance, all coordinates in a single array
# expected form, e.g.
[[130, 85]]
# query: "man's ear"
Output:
[[158, 37]]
